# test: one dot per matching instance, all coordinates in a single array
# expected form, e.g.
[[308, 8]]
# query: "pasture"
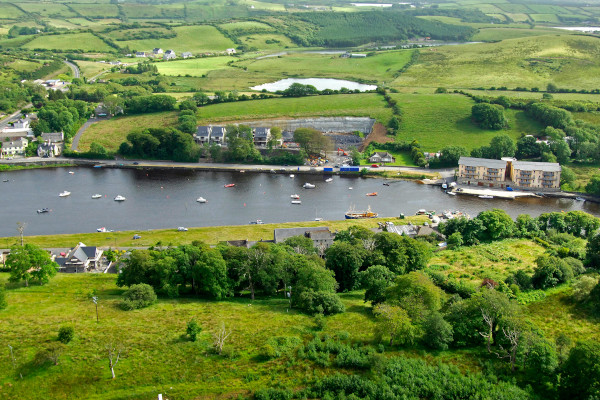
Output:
[[193, 67], [440, 120], [566, 60], [245, 27], [71, 41], [267, 41], [196, 39]]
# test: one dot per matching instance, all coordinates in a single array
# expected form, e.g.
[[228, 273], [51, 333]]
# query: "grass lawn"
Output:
[[566, 60], [72, 41], [439, 120], [89, 69], [111, 133], [244, 27], [9, 11], [403, 158], [46, 10], [583, 173], [495, 260], [193, 67], [195, 39]]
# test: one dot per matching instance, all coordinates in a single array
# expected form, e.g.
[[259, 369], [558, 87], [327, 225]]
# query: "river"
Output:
[[167, 199]]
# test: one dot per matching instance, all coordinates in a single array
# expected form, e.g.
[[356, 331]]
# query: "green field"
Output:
[[566, 60], [48, 10], [71, 41], [403, 158], [267, 41], [89, 69], [440, 120], [24, 65], [97, 10], [9, 11], [195, 39], [193, 67], [538, 96], [245, 27], [494, 34]]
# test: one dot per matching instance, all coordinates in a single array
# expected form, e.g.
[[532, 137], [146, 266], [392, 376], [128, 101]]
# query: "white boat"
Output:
[[308, 186], [71, 172], [318, 219], [451, 193], [296, 202], [182, 229], [485, 196], [96, 196], [103, 229], [329, 180], [291, 175], [201, 200], [294, 196], [120, 198], [64, 194], [350, 188]]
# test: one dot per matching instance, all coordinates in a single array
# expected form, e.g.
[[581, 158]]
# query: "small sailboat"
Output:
[[64, 194], [308, 186], [201, 200], [296, 201], [96, 196], [294, 196], [372, 194], [43, 210], [103, 229], [229, 185], [120, 198], [329, 180]]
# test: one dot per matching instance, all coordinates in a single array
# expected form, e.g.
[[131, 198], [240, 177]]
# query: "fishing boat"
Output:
[[291, 175], [296, 201], [201, 200], [351, 214], [485, 196], [329, 180], [230, 185], [120, 198], [64, 194], [5, 180], [71, 173], [294, 196], [350, 188], [96, 196], [103, 229], [372, 194], [43, 210], [308, 186]]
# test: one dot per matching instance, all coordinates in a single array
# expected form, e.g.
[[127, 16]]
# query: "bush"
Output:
[[3, 302], [321, 302], [438, 332], [138, 296], [193, 329], [66, 334]]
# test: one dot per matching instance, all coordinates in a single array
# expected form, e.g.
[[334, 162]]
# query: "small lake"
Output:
[[319, 83], [579, 28]]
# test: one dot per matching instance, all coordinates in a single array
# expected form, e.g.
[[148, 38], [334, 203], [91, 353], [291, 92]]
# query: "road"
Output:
[[73, 67], [13, 117], [75, 142]]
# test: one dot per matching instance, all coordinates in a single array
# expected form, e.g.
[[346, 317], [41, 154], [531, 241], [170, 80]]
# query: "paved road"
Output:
[[75, 142], [74, 67]]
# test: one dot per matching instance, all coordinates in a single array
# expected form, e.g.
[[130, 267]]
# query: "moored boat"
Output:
[[372, 194], [257, 222], [120, 198], [291, 175], [64, 194], [294, 196], [485, 196], [96, 196], [201, 200], [351, 214], [230, 185], [43, 210], [329, 180], [296, 201], [308, 186]]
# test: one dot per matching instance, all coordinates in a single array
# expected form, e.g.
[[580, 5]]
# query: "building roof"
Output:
[[382, 154], [53, 136], [287, 136], [186, 53], [481, 162], [324, 234], [203, 131], [536, 166], [15, 143], [281, 234], [169, 52], [217, 131], [262, 132]]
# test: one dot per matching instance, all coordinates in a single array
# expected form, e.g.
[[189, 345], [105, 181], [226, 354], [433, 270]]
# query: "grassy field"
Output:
[[493, 34], [538, 96], [193, 67], [92, 68], [403, 158], [24, 65], [196, 39], [439, 120], [96, 10], [48, 10], [566, 60], [111, 133], [73, 41], [267, 41], [244, 27]]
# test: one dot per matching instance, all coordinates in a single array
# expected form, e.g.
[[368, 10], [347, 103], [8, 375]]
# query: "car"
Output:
[[136, 237], [136, 163], [182, 229], [374, 166]]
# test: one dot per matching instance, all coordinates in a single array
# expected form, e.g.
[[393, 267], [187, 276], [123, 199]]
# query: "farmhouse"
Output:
[[381, 157], [157, 51], [169, 55], [14, 148], [321, 236], [230, 51], [186, 54], [508, 172], [79, 259]]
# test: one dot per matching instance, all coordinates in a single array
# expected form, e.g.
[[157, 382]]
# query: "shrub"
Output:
[[321, 302], [66, 334], [138, 296], [3, 302], [438, 332], [193, 329]]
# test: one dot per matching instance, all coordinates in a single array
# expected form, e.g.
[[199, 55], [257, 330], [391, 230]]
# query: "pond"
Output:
[[319, 83], [586, 29]]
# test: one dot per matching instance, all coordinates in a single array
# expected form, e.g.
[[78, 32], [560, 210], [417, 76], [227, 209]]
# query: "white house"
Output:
[[169, 55], [186, 54], [157, 51], [230, 51], [381, 157], [141, 54], [203, 134], [19, 128], [14, 148], [217, 135]]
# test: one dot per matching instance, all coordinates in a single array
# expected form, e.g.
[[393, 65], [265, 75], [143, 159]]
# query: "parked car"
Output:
[[136, 237], [374, 166], [136, 163]]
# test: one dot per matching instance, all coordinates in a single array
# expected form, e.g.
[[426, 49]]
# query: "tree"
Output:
[[455, 240], [527, 147], [314, 289], [375, 280], [494, 307], [502, 146], [393, 321], [580, 374], [567, 176], [3, 301], [209, 272], [416, 293], [394, 123], [138, 296], [30, 263], [311, 140], [438, 332], [450, 155], [301, 244], [220, 337], [593, 186], [489, 116], [299, 90], [114, 351], [561, 150], [498, 224], [550, 271], [344, 260], [66, 334], [193, 329]]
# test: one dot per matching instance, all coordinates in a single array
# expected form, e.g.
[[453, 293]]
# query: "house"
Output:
[[321, 236], [53, 137], [381, 157], [14, 148], [19, 128], [169, 55], [217, 135], [230, 51], [21, 123], [261, 136], [141, 54], [48, 149], [186, 54], [527, 174], [157, 51], [80, 259], [203, 134], [509, 172]]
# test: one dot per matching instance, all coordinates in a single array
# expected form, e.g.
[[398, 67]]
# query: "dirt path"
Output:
[[378, 134]]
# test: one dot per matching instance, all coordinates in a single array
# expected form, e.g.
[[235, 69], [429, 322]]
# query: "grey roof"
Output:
[[481, 162], [53, 136], [61, 261], [217, 131], [536, 166], [288, 136], [90, 251], [281, 234], [15, 143], [324, 234], [186, 53], [203, 131], [262, 132]]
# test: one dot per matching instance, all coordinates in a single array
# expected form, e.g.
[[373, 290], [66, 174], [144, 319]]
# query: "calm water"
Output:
[[167, 199], [319, 83]]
